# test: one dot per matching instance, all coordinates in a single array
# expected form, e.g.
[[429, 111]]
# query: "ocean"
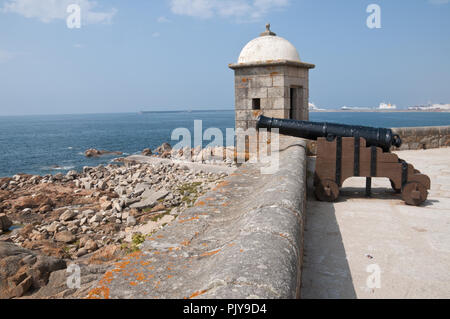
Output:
[[49, 144]]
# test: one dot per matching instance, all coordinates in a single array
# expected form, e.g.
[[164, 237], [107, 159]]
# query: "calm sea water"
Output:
[[56, 143]]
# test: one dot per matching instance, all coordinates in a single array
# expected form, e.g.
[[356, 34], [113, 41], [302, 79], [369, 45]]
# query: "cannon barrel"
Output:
[[380, 137]]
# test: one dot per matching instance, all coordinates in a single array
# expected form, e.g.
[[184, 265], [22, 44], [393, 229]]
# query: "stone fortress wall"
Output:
[[419, 138], [242, 240]]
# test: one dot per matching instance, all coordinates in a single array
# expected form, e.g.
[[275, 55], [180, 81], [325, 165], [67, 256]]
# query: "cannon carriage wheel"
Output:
[[326, 190], [414, 193]]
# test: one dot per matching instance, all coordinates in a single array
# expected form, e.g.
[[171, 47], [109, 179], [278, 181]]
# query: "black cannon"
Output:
[[345, 151], [380, 137]]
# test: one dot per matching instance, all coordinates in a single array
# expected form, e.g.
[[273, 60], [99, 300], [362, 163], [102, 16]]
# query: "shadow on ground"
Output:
[[326, 273]]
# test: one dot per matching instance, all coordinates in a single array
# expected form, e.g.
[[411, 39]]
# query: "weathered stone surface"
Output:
[[242, 240], [22, 270], [416, 138], [150, 198], [5, 223], [65, 237], [67, 215]]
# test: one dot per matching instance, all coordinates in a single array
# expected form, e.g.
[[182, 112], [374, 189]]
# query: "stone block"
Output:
[[243, 104], [295, 81], [275, 113], [261, 82], [241, 93], [277, 92], [241, 82], [259, 93], [279, 103]]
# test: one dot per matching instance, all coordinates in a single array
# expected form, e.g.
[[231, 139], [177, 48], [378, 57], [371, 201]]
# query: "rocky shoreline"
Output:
[[90, 218]]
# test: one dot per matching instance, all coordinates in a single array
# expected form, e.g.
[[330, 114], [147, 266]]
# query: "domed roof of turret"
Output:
[[268, 47]]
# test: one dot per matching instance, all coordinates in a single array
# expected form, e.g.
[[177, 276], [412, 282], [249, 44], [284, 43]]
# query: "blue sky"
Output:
[[174, 54]]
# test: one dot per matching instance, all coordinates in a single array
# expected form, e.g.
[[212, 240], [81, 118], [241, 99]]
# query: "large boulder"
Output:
[[23, 271], [67, 215], [150, 199], [165, 147], [65, 237], [5, 223], [147, 152]]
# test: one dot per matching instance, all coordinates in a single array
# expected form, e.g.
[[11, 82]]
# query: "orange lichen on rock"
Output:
[[210, 253], [107, 278], [220, 185], [133, 283], [188, 220], [257, 113], [186, 243], [122, 264], [140, 276], [99, 293], [200, 203], [136, 255], [197, 293]]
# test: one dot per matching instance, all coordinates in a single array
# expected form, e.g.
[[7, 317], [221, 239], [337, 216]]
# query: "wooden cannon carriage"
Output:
[[345, 151], [345, 157]]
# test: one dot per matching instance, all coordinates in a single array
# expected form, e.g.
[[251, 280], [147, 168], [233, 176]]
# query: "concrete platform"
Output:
[[348, 242]]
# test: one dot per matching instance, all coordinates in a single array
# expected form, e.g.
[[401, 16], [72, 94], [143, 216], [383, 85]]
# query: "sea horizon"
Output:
[[324, 110]]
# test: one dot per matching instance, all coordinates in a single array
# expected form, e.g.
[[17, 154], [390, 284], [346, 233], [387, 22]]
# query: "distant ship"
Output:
[[384, 106]]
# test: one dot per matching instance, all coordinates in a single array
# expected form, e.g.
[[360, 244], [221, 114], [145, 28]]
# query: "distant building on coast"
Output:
[[431, 107]]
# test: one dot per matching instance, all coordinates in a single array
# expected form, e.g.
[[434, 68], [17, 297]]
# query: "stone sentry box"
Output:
[[270, 80]]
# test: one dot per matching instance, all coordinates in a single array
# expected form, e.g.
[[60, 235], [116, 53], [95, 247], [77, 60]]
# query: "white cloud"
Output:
[[49, 10], [239, 9], [163, 20]]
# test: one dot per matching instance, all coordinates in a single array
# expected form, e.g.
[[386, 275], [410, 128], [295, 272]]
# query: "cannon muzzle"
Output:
[[380, 137]]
